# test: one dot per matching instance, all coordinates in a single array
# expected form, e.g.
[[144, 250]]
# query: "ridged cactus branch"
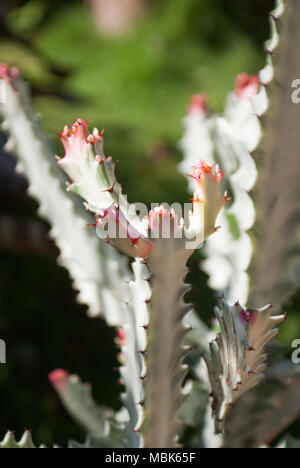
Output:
[[99, 423], [93, 179], [237, 361], [275, 272], [228, 141], [165, 353], [98, 270], [139, 352], [133, 342]]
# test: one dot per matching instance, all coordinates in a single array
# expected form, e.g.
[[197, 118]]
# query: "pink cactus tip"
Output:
[[121, 339], [198, 105], [157, 214], [78, 136], [8, 72], [202, 168], [58, 379], [247, 316], [77, 132], [207, 200], [246, 86]]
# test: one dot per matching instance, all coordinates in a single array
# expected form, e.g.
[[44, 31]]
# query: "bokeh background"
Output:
[[131, 73]]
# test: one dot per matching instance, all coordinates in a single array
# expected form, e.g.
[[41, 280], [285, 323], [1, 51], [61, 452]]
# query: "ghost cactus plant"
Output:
[[147, 302]]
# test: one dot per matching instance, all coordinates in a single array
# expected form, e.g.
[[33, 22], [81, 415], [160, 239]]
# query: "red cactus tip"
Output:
[[58, 378], [198, 104], [78, 132], [8, 72], [78, 127], [248, 316], [121, 339], [95, 137]]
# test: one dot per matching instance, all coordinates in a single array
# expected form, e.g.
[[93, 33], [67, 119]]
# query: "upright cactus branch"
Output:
[[167, 243], [164, 357], [93, 179], [275, 271], [228, 141], [98, 270]]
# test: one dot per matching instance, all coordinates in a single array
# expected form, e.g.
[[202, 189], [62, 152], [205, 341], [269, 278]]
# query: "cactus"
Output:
[[134, 340], [153, 373], [151, 308], [84, 161], [94, 180], [162, 371], [228, 141], [165, 372], [97, 270], [237, 361]]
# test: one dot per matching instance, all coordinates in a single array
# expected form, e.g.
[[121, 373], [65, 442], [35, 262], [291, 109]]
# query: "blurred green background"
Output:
[[136, 86]]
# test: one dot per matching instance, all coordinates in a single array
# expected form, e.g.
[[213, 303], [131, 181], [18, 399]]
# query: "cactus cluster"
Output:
[[236, 361], [147, 301], [163, 270], [276, 260]]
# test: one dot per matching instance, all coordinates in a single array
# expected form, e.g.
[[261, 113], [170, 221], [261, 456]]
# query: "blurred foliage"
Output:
[[137, 87]]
